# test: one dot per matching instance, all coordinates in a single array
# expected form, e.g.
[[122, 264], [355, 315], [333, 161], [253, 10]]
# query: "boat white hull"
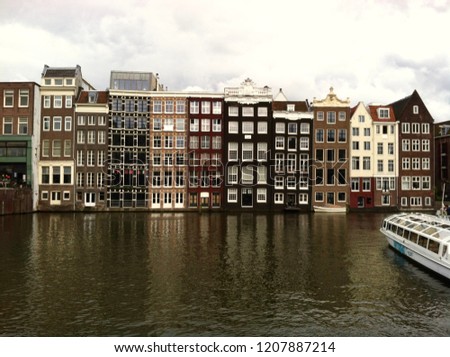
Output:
[[414, 253], [327, 209]]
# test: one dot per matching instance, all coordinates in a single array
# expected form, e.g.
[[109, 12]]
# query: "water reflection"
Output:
[[246, 274]]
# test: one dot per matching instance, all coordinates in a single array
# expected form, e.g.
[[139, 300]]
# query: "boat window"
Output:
[[400, 231], [444, 250], [422, 241], [433, 246], [407, 233], [413, 237], [430, 230]]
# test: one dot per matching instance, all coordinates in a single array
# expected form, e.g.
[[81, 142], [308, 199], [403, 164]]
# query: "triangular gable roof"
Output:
[[400, 105], [280, 97]]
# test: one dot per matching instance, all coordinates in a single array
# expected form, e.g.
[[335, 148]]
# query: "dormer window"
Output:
[[383, 113], [291, 107], [92, 97], [69, 82], [58, 82]]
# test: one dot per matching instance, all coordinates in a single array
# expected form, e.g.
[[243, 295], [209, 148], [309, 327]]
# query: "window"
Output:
[[247, 175], [22, 126], [101, 137], [425, 163], [216, 125], [23, 98], [157, 106], [262, 127], [330, 155], [416, 182], [232, 151], [355, 131], [292, 128], [390, 165], [380, 148], [405, 145], [383, 113], [56, 175], [233, 111], [279, 182], [291, 162], [342, 116], [406, 183], [47, 101], [68, 101], [261, 195], [415, 128], [91, 137], [168, 142], [415, 109], [342, 135], [425, 128], [361, 118], [426, 183], [331, 135], [247, 111], [217, 107], [194, 125], [304, 128], [57, 101], [233, 127], [379, 165], [320, 116], [206, 125], [232, 195], [355, 163], [45, 148], [262, 111], [67, 148], [279, 162], [262, 151], [366, 163], [247, 127], [319, 135], [405, 128], [67, 178], [233, 174], [8, 98], [56, 148], [425, 145], [366, 131], [415, 145], [193, 142], [45, 176], [279, 142], [292, 142], [168, 106], [205, 142], [57, 123], [181, 106], [194, 107], [331, 117], [367, 145], [247, 151], [280, 128], [304, 143], [206, 107], [261, 174], [355, 184]]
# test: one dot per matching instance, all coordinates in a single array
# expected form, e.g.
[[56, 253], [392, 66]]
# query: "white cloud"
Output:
[[368, 50]]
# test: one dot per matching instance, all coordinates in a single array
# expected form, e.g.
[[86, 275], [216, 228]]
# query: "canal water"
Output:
[[190, 274]]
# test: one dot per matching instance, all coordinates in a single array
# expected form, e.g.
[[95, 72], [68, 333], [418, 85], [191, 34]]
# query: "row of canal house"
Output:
[[138, 146]]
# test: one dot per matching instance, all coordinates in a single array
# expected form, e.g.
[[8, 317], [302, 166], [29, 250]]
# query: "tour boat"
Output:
[[330, 209], [423, 238]]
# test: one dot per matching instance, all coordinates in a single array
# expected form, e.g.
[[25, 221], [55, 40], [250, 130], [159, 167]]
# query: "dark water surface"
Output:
[[189, 274]]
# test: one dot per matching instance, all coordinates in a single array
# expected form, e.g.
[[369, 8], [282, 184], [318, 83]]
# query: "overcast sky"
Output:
[[368, 50]]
